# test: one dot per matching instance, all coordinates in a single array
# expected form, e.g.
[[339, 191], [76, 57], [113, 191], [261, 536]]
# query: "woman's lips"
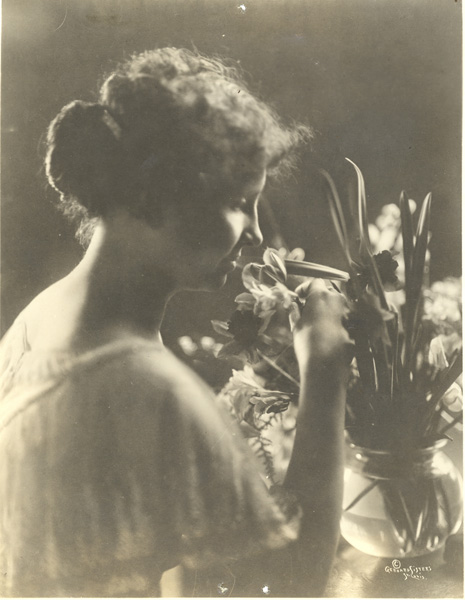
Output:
[[230, 263]]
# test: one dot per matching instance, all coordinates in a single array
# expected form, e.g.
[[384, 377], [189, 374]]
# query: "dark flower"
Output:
[[368, 318], [387, 271], [244, 325], [387, 268]]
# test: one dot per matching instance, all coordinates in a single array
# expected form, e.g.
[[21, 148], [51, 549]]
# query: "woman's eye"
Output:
[[239, 203]]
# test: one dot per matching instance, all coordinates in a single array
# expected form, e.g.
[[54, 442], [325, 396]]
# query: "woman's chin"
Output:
[[214, 282], [211, 280], [211, 283]]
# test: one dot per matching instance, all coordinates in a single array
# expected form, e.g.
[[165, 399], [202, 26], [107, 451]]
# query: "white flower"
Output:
[[295, 254], [443, 302], [437, 354], [250, 401], [387, 238], [263, 299], [391, 210], [188, 346], [373, 234], [453, 398]]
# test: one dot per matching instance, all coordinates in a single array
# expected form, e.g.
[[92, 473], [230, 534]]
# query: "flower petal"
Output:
[[437, 354], [270, 275], [245, 300], [221, 327], [272, 258], [453, 398], [297, 254], [294, 315], [251, 275]]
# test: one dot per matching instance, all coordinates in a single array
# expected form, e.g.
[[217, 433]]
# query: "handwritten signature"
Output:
[[411, 571]]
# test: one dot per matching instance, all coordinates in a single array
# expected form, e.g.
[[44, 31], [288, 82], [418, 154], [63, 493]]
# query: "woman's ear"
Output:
[[206, 181], [147, 206]]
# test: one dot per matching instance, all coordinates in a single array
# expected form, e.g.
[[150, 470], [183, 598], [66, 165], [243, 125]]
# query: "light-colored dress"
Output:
[[116, 465]]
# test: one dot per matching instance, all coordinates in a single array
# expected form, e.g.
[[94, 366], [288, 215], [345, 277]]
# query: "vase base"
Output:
[[380, 539]]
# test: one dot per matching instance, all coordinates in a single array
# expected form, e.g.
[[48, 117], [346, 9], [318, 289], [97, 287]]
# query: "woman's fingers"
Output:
[[322, 301], [319, 332]]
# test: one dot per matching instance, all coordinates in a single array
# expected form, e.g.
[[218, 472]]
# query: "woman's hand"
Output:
[[315, 473], [319, 335]]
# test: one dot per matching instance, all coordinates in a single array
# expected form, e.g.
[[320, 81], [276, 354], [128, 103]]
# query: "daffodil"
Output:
[[443, 304], [251, 402], [453, 398]]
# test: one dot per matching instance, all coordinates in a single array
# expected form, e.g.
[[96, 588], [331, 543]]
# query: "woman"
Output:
[[116, 465]]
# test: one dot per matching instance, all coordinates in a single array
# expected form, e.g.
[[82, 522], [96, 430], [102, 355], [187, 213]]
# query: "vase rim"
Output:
[[436, 445]]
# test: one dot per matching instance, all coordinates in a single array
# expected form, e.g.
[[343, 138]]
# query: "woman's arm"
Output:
[[315, 472], [314, 475]]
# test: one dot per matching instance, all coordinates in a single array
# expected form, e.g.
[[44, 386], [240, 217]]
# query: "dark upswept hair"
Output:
[[163, 117]]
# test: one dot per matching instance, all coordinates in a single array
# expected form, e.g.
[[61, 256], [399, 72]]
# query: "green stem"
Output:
[[458, 419], [357, 499], [280, 370]]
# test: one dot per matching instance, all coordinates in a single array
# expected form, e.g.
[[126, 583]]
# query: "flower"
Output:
[[206, 345], [267, 295], [443, 304], [187, 344], [453, 398], [295, 254], [387, 270], [368, 318], [250, 402], [407, 343], [437, 355], [386, 266], [244, 326]]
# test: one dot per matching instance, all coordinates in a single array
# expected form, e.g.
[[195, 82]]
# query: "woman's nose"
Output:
[[252, 232]]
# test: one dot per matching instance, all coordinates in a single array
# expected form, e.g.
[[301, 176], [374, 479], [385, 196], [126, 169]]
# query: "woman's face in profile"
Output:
[[208, 232]]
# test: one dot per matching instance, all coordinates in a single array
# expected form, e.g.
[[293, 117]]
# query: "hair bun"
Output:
[[82, 155]]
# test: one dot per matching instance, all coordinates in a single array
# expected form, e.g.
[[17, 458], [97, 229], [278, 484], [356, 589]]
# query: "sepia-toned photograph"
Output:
[[231, 301]]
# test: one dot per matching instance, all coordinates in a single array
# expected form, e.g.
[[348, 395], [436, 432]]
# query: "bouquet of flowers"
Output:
[[405, 388], [407, 355], [407, 338]]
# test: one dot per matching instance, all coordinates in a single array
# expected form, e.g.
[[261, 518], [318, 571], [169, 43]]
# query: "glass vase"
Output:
[[400, 505]]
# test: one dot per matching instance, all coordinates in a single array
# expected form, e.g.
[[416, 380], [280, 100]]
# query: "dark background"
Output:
[[379, 80]]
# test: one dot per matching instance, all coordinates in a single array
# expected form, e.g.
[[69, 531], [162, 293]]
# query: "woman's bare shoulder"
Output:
[[151, 369]]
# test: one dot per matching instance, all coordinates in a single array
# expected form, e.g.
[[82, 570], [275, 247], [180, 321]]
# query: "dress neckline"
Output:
[[28, 364]]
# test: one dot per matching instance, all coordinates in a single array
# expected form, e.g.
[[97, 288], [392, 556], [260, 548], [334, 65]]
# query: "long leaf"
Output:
[[457, 419], [337, 215], [363, 493], [383, 372], [407, 235], [408, 518], [365, 246], [419, 253], [446, 379], [365, 363], [376, 280], [339, 231], [431, 416], [394, 508], [413, 290], [395, 357], [420, 521], [280, 370], [362, 210], [310, 269]]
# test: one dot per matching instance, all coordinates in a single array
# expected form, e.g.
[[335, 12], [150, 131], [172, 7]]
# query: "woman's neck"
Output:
[[125, 290]]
